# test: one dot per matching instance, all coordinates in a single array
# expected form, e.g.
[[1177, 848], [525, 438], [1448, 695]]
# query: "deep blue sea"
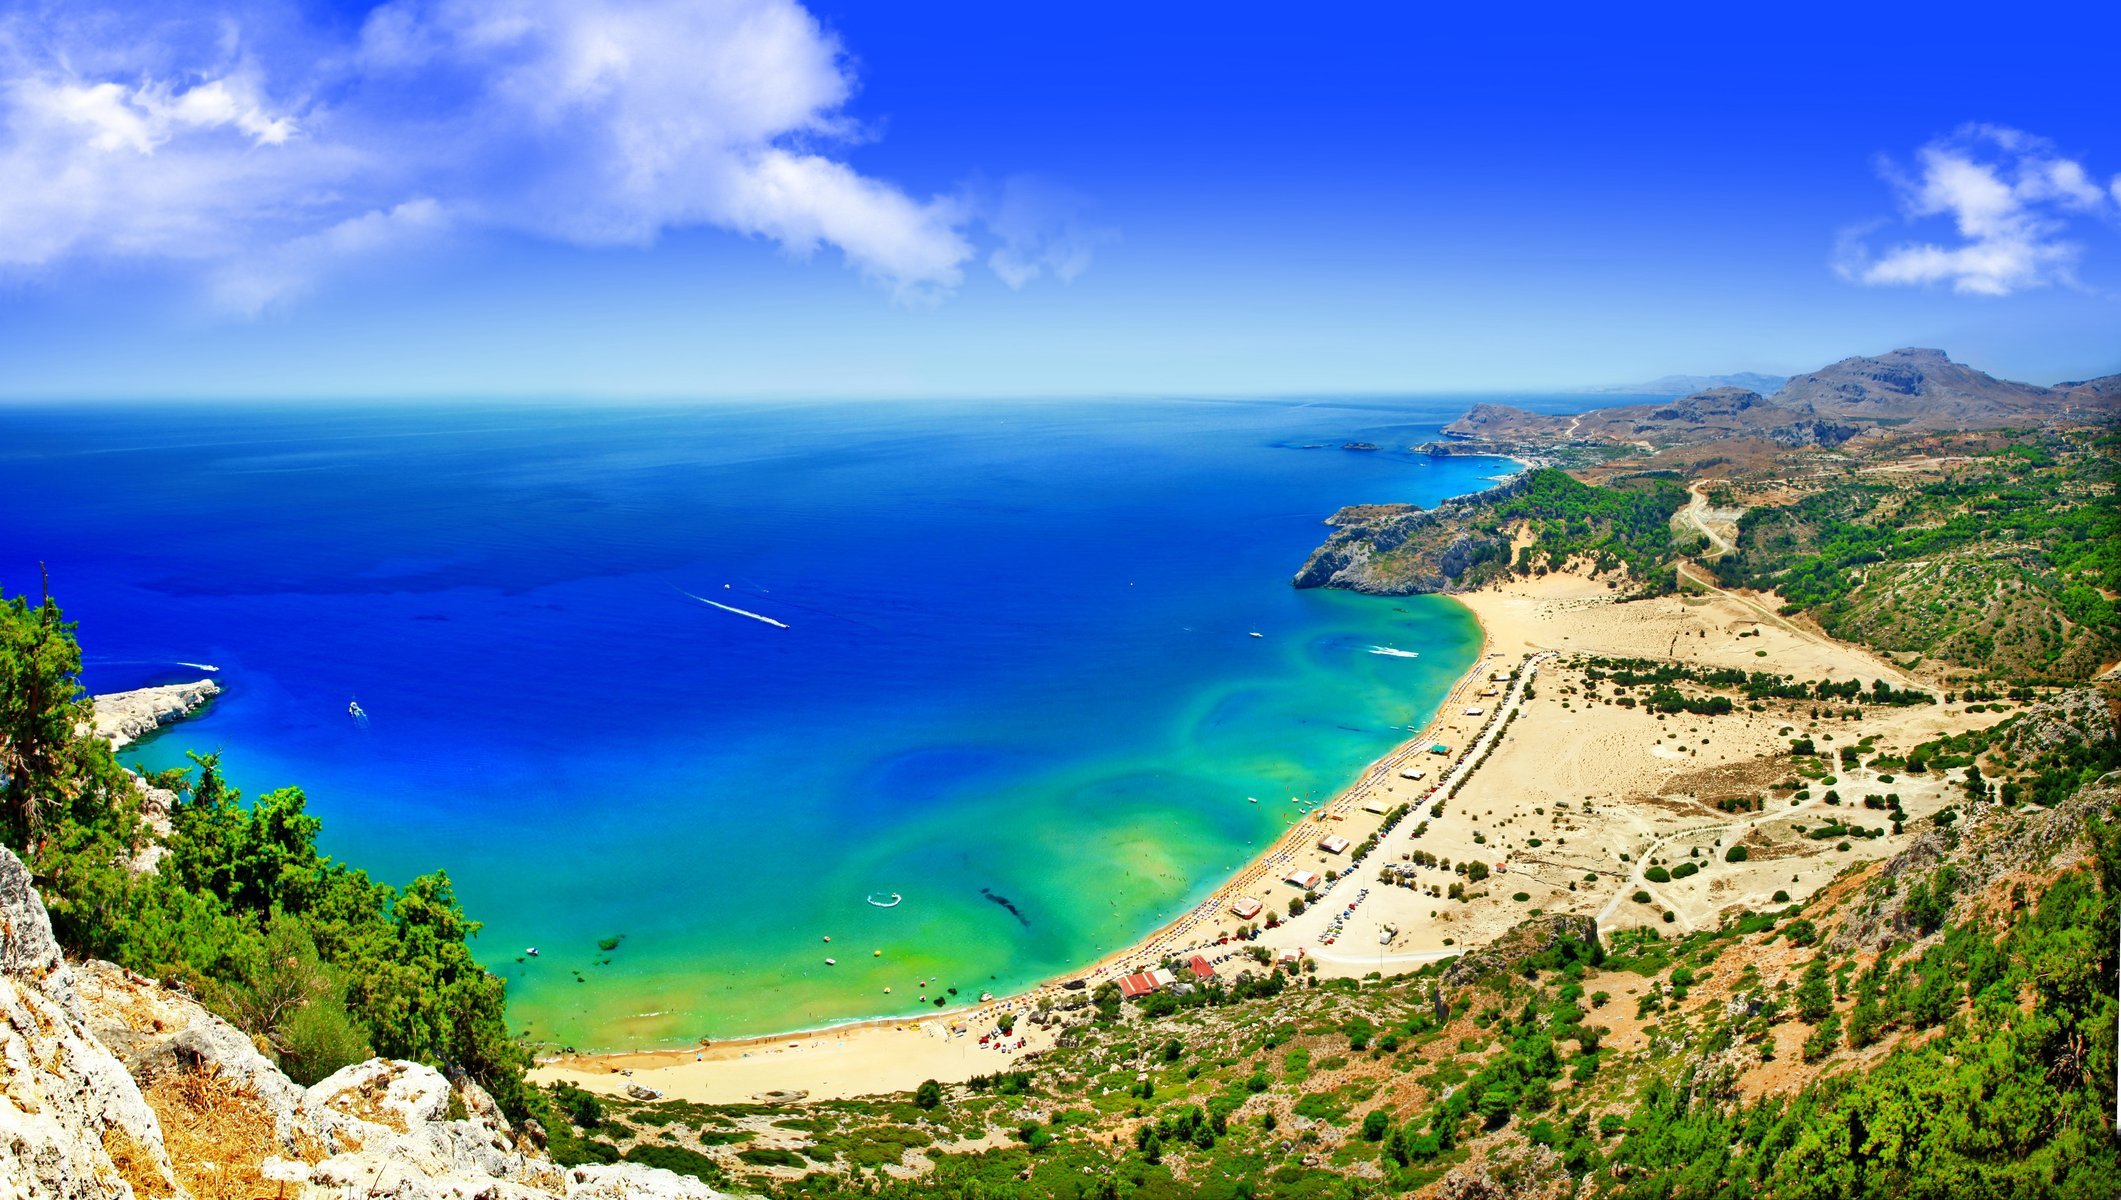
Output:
[[1009, 660]]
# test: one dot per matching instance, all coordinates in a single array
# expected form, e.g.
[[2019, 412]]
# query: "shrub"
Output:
[[1736, 854]]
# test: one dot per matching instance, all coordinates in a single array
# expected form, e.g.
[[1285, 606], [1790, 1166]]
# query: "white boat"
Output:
[[1259, 635], [832, 962]]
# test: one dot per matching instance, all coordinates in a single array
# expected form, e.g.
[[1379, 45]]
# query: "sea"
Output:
[[978, 691]]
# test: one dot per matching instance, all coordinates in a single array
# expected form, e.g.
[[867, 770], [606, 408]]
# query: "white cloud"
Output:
[[271, 160], [286, 271], [2010, 198], [1042, 230]]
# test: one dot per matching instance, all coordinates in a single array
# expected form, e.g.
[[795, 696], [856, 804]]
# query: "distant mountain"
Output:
[[1706, 416], [1922, 388], [1685, 385], [2103, 390], [1911, 388]]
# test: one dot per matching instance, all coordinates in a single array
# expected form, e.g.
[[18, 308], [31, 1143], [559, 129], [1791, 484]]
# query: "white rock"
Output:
[[64, 1098], [125, 717], [73, 1041]]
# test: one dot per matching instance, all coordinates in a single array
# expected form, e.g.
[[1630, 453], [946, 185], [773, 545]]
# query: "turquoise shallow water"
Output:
[[1012, 664]]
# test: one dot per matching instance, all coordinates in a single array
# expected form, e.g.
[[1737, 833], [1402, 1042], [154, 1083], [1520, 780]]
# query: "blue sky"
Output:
[[756, 197]]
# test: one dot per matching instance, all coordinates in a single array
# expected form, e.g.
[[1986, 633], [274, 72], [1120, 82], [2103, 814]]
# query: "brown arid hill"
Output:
[[1922, 388], [1909, 389], [1714, 415]]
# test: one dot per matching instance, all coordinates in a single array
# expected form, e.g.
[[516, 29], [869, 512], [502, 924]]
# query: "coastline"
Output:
[[122, 718], [1566, 799], [873, 1055]]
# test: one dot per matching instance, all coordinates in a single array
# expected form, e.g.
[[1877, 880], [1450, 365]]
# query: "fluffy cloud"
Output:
[[270, 153], [2011, 199]]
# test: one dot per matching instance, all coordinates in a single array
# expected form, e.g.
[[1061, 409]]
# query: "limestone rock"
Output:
[[156, 1032], [125, 717], [79, 1044], [1520, 942], [72, 1122]]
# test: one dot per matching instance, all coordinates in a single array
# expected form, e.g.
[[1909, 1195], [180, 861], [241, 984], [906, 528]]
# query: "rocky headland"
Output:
[[122, 718], [1403, 549]]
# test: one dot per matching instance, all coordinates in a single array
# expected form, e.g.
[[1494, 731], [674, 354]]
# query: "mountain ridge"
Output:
[[1913, 387]]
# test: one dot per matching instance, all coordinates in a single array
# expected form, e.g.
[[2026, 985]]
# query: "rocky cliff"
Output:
[[112, 1085], [1403, 550], [125, 717]]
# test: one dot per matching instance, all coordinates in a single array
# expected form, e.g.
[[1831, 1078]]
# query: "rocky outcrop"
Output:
[[73, 1124], [2079, 715], [112, 1085], [1523, 941], [125, 717], [1402, 550], [1990, 845]]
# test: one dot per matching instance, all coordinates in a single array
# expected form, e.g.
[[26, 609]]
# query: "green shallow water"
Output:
[[1101, 852]]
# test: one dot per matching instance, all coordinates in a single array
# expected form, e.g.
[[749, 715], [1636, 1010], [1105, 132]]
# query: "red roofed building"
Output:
[[1135, 986], [1200, 967]]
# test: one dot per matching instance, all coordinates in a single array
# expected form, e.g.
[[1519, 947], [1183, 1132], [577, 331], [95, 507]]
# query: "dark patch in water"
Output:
[[1004, 901]]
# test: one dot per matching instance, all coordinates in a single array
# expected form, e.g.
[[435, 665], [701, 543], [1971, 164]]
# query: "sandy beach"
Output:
[[1569, 798]]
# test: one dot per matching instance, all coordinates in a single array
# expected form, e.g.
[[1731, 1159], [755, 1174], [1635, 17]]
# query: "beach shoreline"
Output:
[[1565, 795], [1143, 952]]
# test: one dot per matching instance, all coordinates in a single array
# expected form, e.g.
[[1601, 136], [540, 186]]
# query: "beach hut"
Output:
[[1499, 677], [1304, 879], [1245, 907], [1474, 712], [1377, 807], [1439, 748], [1335, 844], [1414, 773], [1201, 968]]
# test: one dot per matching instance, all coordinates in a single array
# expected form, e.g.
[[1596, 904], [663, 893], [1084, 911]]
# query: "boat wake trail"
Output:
[[742, 612], [1395, 653]]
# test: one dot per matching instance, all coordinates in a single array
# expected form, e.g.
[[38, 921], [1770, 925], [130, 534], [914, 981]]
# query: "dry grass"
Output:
[[217, 1134], [136, 1164]]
